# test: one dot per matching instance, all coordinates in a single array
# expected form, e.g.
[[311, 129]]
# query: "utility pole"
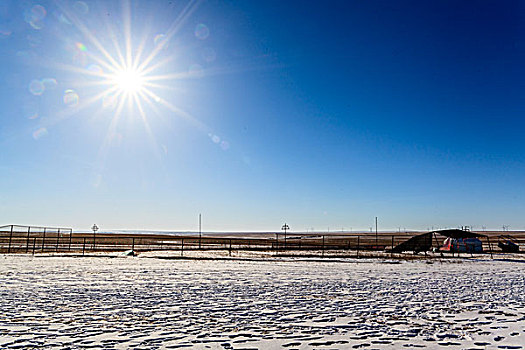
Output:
[[376, 232], [200, 231]]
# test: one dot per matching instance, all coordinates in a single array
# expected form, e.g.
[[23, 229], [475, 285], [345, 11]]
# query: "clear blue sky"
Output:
[[320, 114]]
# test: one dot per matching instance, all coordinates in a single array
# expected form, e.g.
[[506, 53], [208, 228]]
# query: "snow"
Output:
[[143, 302]]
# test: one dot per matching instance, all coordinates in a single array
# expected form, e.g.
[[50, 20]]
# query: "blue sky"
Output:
[[323, 115]]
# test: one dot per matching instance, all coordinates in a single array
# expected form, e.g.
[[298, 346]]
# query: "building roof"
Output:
[[456, 233]]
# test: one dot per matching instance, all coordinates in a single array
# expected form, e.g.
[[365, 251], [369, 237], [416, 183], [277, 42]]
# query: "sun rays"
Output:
[[126, 70], [129, 74]]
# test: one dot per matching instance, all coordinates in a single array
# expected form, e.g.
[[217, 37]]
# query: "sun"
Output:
[[128, 81]]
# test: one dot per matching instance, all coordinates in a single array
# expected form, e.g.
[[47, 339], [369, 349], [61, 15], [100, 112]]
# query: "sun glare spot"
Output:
[[129, 81]]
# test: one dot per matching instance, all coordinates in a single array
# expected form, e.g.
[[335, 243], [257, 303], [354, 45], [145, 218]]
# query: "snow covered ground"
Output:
[[102, 302]]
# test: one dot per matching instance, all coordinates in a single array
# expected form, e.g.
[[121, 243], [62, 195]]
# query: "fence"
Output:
[[18, 238], [32, 239]]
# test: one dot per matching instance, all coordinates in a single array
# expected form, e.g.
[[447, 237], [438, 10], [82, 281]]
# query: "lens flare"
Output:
[[39, 133], [49, 83], [81, 47], [81, 7], [30, 110], [4, 33], [36, 87], [95, 68], [35, 16], [202, 31], [160, 41], [225, 145], [71, 98]]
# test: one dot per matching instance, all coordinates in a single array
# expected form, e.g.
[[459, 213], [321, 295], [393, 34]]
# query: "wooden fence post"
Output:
[[133, 244], [392, 251], [44, 240], [70, 238], [358, 246], [10, 238], [230, 252], [323, 247], [58, 239], [34, 245], [490, 247], [182, 247], [84, 247], [27, 243]]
